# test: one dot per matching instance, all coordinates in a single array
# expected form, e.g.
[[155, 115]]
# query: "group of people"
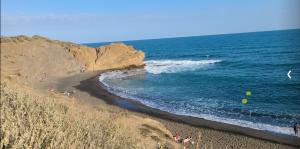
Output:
[[187, 141]]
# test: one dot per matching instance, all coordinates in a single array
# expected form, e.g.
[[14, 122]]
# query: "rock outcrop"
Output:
[[113, 56], [118, 55], [38, 58]]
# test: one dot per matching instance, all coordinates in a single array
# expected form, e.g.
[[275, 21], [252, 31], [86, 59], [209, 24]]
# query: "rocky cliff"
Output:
[[113, 56], [38, 58]]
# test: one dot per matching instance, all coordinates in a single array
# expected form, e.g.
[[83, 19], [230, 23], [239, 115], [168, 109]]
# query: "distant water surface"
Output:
[[208, 76]]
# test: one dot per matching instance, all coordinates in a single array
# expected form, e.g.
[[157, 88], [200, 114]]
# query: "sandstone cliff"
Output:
[[113, 56], [38, 58]]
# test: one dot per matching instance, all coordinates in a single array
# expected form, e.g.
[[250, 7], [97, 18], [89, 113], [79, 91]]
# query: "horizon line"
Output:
[[128, 40]]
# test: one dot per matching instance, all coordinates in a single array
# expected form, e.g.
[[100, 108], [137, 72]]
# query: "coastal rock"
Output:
[[113, 56], [83, 54], [36, 59], [118, 56]]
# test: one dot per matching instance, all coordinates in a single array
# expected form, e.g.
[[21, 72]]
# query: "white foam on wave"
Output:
[[118, 74], [248, 124], [122, 92], [174, 66]]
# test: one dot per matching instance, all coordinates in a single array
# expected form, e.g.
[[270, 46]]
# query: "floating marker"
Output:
[[248, 93], [244, 101]]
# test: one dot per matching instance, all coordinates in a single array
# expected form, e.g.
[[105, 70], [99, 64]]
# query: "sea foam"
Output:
[[243, 123], [175, 66]]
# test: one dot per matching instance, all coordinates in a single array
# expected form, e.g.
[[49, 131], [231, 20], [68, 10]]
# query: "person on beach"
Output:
[[177, 138], [187, 141], [296, 128]]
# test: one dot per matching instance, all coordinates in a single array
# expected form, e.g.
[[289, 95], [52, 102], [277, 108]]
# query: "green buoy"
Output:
[[248, 93]]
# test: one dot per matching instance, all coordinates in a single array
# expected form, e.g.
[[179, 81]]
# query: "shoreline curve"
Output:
[[95, 88]]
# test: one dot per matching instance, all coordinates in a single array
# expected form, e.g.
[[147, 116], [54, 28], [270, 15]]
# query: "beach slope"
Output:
[[35, 114], [43, 104]]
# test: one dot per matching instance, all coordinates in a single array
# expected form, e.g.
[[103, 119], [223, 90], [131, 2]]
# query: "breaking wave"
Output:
[[175, 66]]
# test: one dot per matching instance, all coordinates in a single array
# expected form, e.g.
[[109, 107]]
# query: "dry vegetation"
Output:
[[32, 117], [31, 120], [40, 122]]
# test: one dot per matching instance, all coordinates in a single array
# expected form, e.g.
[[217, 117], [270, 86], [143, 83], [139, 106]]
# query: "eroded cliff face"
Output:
[[118, 56], [37, 58], [113, 56]]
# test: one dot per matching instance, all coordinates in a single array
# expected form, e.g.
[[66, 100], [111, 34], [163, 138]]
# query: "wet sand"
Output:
[[205, 133]]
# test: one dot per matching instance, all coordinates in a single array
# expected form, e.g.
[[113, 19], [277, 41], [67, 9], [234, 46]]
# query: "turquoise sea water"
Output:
[[208, 76]]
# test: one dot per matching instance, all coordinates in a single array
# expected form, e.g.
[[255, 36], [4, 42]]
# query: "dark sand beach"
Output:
[[150, 74], [48, 83], [205, 133]]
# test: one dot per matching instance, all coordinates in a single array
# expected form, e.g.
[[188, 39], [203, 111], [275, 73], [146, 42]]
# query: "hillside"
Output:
[[35, 117], [35, 59]]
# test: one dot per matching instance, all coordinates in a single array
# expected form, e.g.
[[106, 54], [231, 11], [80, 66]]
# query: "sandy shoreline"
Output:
[[213, 134], [29, 71]]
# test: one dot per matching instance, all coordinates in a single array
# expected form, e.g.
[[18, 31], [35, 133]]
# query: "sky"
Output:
[[119, 20]]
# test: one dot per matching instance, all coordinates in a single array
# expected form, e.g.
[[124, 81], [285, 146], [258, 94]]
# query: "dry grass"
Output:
[[29, 121]]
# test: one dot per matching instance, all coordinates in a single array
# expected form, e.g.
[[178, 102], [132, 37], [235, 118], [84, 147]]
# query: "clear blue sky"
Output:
[[117, 20]]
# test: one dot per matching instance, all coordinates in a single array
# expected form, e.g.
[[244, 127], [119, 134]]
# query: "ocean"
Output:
[[208, 77]]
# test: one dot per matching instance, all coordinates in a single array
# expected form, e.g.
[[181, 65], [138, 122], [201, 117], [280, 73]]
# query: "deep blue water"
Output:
[[208, 76]]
